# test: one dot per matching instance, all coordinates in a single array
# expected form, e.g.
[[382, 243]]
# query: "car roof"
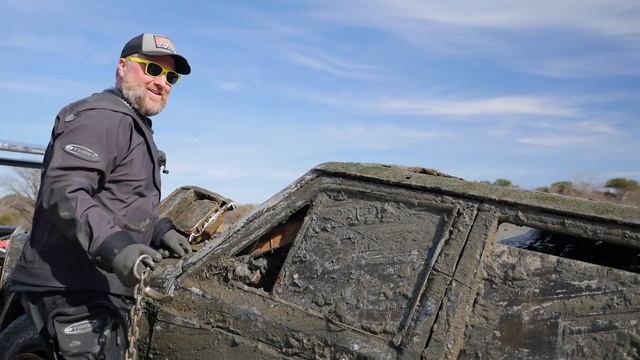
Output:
[[435, 181]]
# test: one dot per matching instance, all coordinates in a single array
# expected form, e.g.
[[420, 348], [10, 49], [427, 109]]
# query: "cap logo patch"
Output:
[[164, 43], [81, 152]]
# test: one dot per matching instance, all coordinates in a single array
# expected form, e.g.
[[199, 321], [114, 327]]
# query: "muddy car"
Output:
[[358, 261]]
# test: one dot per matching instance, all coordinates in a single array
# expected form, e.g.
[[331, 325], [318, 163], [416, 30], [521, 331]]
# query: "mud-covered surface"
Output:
[[215, 312], [240, 270], [505, 195], [445, 336], [536, 306], [360, 259], [208, 344]]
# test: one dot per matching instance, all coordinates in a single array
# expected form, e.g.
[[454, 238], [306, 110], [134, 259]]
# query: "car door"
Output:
[[564, 287], [376, 262]]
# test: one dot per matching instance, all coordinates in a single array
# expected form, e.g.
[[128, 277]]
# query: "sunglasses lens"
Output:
[[172, 77], [154, 69]]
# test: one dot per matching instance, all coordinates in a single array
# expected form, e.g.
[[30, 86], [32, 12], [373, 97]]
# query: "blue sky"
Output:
[[534, 92]]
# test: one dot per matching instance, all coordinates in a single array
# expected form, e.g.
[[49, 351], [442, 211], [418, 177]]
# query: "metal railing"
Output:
[[24, 149]]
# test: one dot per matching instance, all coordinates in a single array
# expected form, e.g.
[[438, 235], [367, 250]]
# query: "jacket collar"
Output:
[[145, 119]]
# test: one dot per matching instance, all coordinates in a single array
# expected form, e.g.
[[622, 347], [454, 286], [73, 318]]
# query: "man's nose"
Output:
[[161, 81]]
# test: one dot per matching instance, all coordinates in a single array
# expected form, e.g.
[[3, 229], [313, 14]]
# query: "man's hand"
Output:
[[124, 262], [175, 243]]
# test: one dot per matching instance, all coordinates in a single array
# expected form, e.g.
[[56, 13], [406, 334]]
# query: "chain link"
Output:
[[135, 314]]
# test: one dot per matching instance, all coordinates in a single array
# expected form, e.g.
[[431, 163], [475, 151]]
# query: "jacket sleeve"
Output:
[[83, 153]]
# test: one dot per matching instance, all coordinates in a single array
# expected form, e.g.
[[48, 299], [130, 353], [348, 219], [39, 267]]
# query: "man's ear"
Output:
[[122, 64]]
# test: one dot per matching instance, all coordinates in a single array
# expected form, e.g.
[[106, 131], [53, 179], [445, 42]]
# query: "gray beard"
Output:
[[136, 96]]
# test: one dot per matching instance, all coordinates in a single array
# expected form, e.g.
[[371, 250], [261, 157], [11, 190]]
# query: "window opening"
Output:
[[266, 256], [571, 247]]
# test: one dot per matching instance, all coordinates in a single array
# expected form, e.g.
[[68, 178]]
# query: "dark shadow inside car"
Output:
[[273, 247], [571, 247]]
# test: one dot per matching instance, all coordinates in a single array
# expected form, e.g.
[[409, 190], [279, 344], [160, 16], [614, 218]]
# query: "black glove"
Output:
[[175, 243], [125, 260]]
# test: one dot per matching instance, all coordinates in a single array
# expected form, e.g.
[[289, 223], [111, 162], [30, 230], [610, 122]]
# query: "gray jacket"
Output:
[[99, 193]]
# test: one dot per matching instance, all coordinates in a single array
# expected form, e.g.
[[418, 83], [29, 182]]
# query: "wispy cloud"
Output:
[[555, 140], [618, 17], [411, 105], [514, 105], [228, 86], [25, 87], [226, 170], [31, 6], [509, 31], [597, 126], [331, 64], [43, 43], [35, 84], [586, 65], [296, 44], [382, 136], [286, 30]]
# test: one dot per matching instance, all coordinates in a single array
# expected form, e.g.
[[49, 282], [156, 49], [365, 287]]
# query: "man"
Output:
[[96, 212]]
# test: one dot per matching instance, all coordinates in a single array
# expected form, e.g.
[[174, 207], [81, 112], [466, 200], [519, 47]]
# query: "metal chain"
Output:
[[207, 220], [136, 312]]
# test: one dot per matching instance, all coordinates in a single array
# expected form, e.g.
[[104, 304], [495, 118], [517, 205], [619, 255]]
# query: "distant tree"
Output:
[[18, 205], [9, 218], [563, 188], [543, 189], [503, 182], [27, 185], [623, 186]]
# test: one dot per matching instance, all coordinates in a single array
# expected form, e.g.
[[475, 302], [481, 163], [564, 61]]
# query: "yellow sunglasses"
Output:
[[155, 70]]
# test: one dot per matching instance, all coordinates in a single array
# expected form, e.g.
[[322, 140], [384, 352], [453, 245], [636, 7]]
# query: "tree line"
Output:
[[619, 189]]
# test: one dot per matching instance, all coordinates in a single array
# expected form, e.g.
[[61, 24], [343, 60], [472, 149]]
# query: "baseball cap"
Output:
[[154, 44]]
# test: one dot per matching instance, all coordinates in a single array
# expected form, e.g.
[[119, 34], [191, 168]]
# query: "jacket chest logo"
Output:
[[82, 152], [82, 327]]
